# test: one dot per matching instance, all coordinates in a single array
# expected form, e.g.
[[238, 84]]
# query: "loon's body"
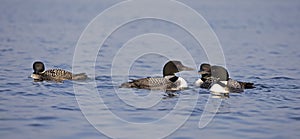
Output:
[[216, 79], [169, 81], [57, 75]]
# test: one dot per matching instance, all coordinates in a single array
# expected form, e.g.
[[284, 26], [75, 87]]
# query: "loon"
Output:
[[216, 79], [57, 75], [169, 81]]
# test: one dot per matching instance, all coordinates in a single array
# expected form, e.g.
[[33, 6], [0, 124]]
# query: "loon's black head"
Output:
[[219, 72], [38, 67], [173, 67]]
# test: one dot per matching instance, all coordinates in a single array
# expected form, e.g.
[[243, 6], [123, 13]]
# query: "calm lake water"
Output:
[[260, 43]]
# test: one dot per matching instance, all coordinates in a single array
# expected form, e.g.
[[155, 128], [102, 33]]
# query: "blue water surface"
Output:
[[260, 43]]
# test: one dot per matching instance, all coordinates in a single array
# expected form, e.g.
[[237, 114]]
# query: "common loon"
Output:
[[216, 79], [57, 75], [169, 81]]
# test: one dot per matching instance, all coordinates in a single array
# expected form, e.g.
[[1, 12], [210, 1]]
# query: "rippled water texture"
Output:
[[260, 40]]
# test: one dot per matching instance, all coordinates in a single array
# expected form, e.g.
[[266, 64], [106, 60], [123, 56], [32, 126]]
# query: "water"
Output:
[[260, 43]]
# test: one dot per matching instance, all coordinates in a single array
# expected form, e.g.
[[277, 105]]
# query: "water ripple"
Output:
[[46, 118], [66, 108], [36, 125], [282, 78], [295, 118], [13, 84], [5, 90]]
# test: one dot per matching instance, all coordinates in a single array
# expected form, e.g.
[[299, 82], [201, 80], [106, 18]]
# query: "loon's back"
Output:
[[58, 75], [231, 85], [149, 83]]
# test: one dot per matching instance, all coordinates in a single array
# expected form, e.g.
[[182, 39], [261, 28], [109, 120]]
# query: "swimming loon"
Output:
[[216, 79], [57, 75], [169, 81]]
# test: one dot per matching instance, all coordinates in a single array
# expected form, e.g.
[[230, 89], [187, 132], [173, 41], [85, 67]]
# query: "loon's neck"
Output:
[[174, 78], [170, 74]]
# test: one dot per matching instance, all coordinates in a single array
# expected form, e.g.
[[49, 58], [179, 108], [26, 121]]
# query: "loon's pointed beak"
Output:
[[202, 72], [185, 68]]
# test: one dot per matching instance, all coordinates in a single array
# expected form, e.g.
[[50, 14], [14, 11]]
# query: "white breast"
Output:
[[198, 82], [217, 88], [181, 83]]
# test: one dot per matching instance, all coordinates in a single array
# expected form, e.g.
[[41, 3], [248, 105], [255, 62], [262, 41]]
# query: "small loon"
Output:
[[57, 75], [216, 79], [169, 81]]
